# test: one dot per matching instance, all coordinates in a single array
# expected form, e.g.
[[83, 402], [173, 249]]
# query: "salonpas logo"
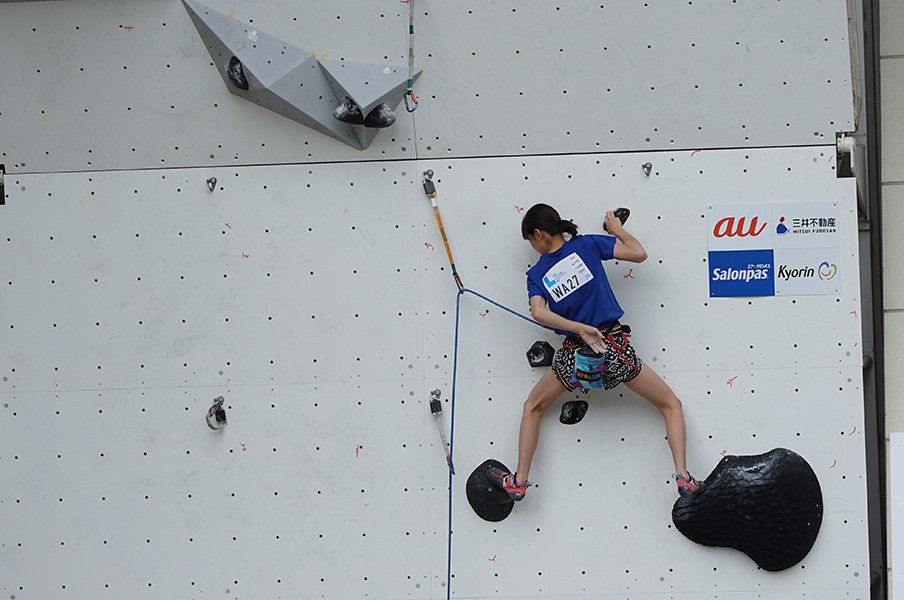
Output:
[[827, 271], [749, 274]]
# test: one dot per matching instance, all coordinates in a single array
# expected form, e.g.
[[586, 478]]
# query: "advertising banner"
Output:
[[741, 273], [779, 249]]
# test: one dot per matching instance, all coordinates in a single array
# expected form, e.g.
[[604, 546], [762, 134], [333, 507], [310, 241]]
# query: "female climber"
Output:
[[570, 293]]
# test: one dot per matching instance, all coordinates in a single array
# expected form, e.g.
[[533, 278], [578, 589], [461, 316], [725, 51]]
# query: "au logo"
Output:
[[827, 271], [731, 227]]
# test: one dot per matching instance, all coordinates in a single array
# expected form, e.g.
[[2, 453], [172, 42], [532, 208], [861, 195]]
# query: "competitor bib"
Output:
[[566, 276]]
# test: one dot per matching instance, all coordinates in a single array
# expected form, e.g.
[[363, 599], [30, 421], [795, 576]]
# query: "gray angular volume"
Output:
[[291, 81]]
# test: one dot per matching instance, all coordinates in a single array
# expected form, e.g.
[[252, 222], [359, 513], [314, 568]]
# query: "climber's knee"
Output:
[[670, 404], [539, 400], [543, 394], [534, 404]]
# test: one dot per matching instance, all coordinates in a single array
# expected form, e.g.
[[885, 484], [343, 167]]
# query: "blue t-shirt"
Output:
[[573, 282]]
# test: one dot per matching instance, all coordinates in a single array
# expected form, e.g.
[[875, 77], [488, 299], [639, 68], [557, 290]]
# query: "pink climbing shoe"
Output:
[[507, 482], [687, 485]]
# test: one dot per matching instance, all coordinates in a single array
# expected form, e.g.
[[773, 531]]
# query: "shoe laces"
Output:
[[516, 484], [686, 478]]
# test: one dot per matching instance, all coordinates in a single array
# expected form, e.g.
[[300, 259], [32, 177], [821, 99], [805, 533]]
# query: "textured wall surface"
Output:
[[891, 69], [311, 290], [109, 84]]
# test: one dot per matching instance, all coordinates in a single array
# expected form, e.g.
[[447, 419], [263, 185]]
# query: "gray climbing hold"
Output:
[[294, 83]]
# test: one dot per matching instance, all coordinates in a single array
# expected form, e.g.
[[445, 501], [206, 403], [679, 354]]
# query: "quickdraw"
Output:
[[430, 190], [409, 93]]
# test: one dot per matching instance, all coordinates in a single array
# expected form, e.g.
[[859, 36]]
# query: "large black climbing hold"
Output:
[[349, 112], [767, 506], [572, 412], [540, 354], [621, 214], [490, 502], [381, 116]]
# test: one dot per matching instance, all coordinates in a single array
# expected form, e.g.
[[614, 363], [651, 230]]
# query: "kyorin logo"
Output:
[[827, 271]]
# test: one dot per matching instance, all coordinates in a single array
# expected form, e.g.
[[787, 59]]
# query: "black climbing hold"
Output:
[[236, 74], [490, 502], [540, 354], [380, 116], [349, 112], [621, 214], [767, 506], [572, 412]]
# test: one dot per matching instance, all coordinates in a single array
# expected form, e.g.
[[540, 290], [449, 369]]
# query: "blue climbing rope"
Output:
[[452, 444], [458, 296], [517, 314]]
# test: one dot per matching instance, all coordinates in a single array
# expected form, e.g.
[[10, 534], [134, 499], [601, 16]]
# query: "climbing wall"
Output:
[[500, 78], [311, 290]]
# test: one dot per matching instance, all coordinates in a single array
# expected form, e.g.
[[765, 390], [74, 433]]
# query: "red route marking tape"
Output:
[[428, 245], [695, 151], [853, 431], [520, 209], [493, 559], [834, 462], [630, 275], [731, 381]]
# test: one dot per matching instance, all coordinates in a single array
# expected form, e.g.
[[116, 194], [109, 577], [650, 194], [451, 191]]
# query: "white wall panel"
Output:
[[891, 23], [267, 262], [112, 85], [580, 531], [893, 246], [311, 290], [894, 379], [896, 507], [892, 74], [305, 438]]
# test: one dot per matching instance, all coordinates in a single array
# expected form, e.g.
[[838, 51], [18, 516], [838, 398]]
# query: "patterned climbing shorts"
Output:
[[622, 363]]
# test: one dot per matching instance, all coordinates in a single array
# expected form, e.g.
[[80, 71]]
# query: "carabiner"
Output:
[[413, 99]]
